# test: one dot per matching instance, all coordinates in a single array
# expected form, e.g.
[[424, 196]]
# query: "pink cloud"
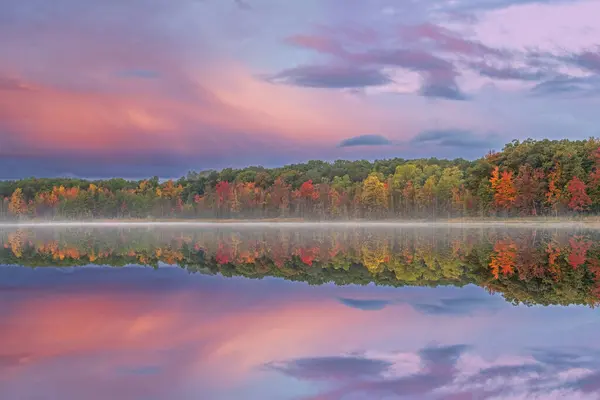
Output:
[[53, 119], [95, 335], [85, 100], [321, 44], [446, 40]]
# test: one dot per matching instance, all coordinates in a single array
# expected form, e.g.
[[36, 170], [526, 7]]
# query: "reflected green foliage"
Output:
[[525, 266]]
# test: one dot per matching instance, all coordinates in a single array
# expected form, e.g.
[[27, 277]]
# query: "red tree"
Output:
[[308, 255], [280, 195], [579, 198], [224, 254], [503, 185], [503, 258], [223, 190], [307, 190], [529, 189], [579, 249]]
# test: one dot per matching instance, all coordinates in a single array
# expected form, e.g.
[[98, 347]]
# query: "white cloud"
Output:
[[571, 26]]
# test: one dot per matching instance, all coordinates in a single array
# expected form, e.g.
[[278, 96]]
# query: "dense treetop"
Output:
[[531, 177]]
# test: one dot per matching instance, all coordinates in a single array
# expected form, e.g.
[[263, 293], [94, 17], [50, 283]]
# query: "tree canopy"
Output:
[[545, 177]]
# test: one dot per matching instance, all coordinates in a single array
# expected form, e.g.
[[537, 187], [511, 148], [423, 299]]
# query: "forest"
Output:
[[525, 266], [526, 178]]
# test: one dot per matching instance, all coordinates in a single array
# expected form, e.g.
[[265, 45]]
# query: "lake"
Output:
[[309, 312]]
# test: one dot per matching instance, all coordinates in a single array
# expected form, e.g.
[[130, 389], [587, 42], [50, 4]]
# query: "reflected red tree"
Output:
[[503, 258]]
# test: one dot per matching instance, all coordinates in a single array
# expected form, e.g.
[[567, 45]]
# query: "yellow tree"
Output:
[[426, 196], [375, 254], [16, 241], [374, 193], [235, 203], [168, 190], [554, 194], [17, 205]]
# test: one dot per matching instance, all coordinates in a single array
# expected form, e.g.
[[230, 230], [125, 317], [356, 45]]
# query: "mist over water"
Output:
[[344, 310], [566, 224]]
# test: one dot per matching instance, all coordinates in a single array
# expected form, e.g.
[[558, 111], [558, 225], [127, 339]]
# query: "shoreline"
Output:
[[588, 223]]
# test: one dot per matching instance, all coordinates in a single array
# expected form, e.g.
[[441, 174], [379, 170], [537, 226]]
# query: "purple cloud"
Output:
[[445, 40], [7, 83], [456, 138], [588, 60], [139, 73], [140, 370], [509, 371], [365, 305], [365, 375], [458, 306], [332, 368], [332, 77], [507, 73], [444, 356], [318, 43], [243, 5], [443, 90], [129, 164], [421, 49], [587, 384], [568, 86], [365, 140], [564, 358], [482, 5], [438, 74], [9, 360], [415, 60]]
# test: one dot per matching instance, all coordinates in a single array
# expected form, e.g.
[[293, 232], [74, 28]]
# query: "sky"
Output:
[[153, 87], [135, 333]]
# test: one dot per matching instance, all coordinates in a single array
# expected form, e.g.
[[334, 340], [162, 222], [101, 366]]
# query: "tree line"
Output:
[[526, 178]]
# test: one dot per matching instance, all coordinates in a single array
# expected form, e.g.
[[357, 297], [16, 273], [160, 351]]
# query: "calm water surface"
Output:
[[319, 313]]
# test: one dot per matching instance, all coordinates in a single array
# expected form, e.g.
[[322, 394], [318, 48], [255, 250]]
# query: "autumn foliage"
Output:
[[579, 199], [504, 189], [525, 266], [530, 178], [503, 258]]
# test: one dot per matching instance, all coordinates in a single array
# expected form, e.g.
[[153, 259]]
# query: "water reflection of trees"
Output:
[[526, 266]]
